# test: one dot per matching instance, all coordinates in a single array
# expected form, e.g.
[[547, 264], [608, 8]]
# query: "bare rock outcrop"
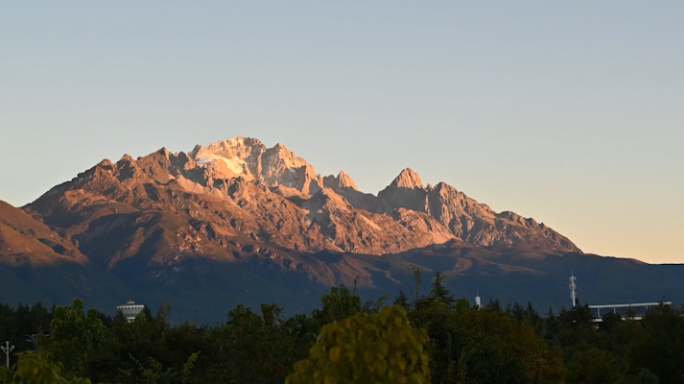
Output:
[[360, 231], [341, 181], [468, 220], [405, 191]]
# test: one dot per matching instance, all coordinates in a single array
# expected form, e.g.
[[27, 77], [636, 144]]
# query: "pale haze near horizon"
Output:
[[572, 114]]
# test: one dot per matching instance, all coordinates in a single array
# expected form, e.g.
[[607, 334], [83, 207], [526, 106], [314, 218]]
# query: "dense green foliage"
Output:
[[380, 348], [423, 338]]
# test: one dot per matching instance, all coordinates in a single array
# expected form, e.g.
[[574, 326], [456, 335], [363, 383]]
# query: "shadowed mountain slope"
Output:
[[25, 241]]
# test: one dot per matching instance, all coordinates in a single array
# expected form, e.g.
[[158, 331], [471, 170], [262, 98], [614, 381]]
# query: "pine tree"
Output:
[[440, 292]]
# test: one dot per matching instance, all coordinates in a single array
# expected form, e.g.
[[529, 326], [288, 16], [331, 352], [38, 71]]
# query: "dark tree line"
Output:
[[462, 344]]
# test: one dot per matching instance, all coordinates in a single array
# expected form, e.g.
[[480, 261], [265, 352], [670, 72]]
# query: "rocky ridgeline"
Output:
[[238, 199]]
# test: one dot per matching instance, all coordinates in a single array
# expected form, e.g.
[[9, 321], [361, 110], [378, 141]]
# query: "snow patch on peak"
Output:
[[235, 165], [250, 158], [235, 145]]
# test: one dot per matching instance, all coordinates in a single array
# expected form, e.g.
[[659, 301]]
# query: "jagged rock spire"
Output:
[[407, 179]]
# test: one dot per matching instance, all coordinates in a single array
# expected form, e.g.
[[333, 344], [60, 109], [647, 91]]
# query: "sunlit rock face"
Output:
[[238, 199], [251, 160]]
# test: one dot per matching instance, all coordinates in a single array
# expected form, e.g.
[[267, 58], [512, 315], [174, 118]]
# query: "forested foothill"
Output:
[[419, 337]]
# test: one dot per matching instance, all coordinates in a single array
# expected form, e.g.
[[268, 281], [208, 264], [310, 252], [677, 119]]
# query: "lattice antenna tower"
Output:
[[573, 289]]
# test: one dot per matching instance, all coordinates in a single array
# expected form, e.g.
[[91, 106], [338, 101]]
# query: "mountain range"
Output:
[[238, 222]]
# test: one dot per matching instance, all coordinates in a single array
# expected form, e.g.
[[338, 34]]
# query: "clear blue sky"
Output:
[[571, 113]]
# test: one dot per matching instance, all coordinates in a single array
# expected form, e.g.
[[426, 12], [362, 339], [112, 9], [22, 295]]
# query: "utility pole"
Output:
[[7, 349]]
